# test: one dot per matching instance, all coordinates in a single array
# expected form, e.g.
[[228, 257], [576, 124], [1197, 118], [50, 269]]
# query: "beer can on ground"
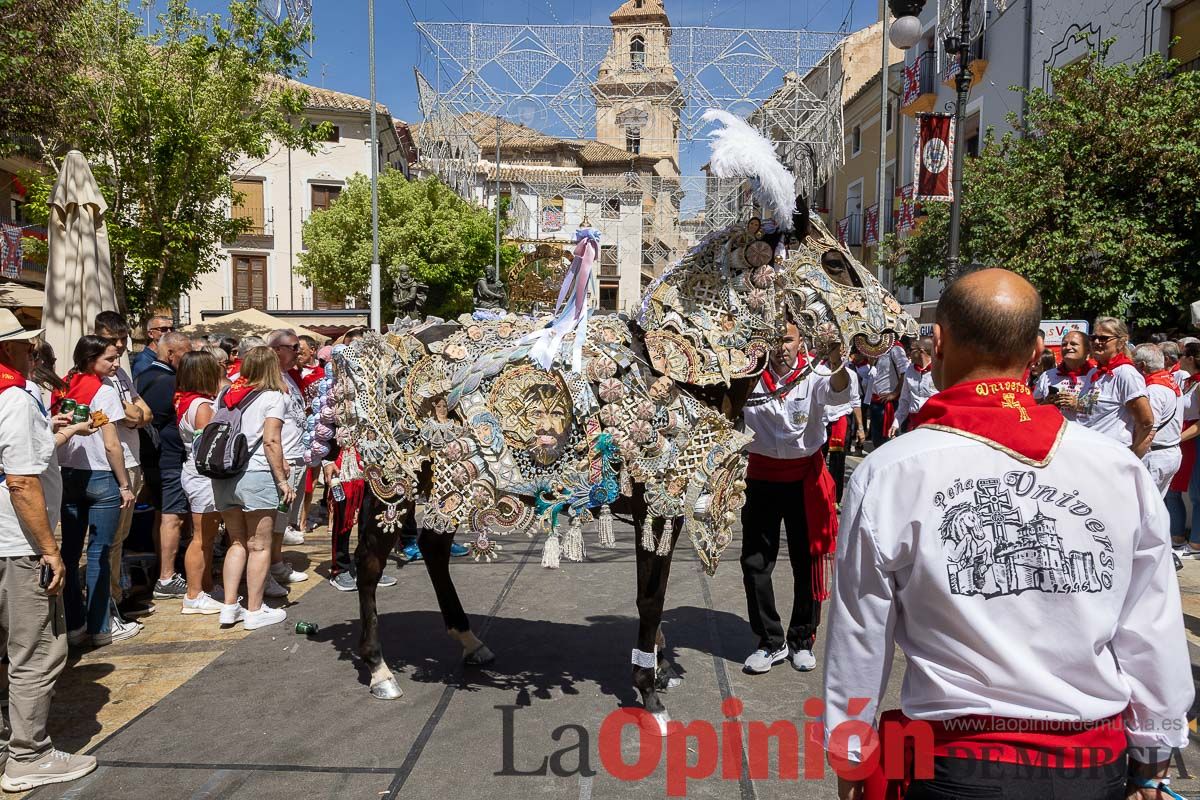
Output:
[[306, 628], [81, 414]]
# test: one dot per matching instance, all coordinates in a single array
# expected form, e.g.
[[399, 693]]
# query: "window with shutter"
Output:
[[323, 196], [249, 282], [250, 205]]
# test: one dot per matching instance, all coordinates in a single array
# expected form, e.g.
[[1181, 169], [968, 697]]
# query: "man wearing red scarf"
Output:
[[918, 385], [1166, 403], [887, 378], [1021, 562], [787, 482]]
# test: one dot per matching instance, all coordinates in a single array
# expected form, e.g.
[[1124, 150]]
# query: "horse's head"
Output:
[[831, 296]]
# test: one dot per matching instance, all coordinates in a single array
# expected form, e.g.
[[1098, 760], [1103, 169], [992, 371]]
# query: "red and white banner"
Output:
[[912, 83], [871, 225], [843, 229], [907, 213], [932, 159]]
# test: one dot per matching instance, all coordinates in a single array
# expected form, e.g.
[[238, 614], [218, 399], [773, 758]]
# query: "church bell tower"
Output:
[[638, 102]]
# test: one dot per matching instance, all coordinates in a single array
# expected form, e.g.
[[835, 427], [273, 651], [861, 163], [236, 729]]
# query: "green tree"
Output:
[[1098, 204], [33, 59], [165, 119], [445, 241]]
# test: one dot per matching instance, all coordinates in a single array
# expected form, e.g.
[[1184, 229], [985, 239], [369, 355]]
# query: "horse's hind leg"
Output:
[[374, 544], [435, 552], [653, 572]]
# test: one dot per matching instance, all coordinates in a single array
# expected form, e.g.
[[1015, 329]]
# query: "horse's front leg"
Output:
[[653, 572], [374, 544], [435, 552]]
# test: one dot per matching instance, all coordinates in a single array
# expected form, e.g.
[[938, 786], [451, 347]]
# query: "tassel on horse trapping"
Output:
[[550, 551], [572, 544], [604, 524]]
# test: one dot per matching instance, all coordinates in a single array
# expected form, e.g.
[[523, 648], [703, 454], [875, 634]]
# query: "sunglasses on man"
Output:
[[164, 329], [293, 347]]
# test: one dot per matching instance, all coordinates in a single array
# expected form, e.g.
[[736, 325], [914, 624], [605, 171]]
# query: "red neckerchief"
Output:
[[769, 378], [1163, 378], [9, 377], [184, 400], [235, 367], [1073, 374], [923, 369], [81, 387], [314, 375], [1110, 367], [1000, 413], [236, 392]]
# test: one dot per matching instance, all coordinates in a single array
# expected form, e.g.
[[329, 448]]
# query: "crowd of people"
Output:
[[933, 553]]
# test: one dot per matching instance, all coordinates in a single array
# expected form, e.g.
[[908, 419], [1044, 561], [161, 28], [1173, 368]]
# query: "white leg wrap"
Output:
[[646, 660]]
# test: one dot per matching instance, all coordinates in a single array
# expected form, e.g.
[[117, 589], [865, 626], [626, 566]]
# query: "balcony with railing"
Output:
[[849, 230], [920, 85], [979, 62], [261, 230], [26, 262]]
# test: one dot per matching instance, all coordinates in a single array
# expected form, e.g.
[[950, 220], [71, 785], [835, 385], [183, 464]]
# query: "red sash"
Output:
[[820, 505], [81, 387], [184, 400], [1056, 745], [837, 434], [1183, 476], [999, 412]]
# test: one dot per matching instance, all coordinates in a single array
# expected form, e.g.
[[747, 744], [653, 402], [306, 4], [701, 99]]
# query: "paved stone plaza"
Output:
[[188, 711]]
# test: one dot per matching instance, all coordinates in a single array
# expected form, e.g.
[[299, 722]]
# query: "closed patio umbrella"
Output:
[[79, 280]]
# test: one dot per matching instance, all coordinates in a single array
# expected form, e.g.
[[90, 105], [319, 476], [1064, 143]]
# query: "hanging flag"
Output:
[[912, 83], [871, 225], [843, 229], [907, 214], [10, 251], [932, 162]]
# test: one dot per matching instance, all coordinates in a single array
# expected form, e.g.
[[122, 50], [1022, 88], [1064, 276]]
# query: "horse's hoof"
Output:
[[479, 656], [661, 719], [387, 690]]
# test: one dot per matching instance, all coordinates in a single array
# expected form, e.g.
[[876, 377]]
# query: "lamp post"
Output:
[[376, 310], [906, 32], [962, 83]]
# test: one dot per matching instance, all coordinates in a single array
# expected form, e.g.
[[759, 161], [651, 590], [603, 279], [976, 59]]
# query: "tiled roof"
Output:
[[328, 99], [601, 153], [640, 11]]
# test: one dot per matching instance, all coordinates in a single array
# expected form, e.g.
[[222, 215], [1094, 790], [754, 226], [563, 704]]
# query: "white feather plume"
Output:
[[739, 151]]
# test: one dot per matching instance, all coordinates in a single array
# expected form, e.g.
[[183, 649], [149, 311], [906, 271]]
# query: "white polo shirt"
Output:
[[26, 448], [836, 412], [1105, 400], [889, 370], [792, 425], [918, 387]]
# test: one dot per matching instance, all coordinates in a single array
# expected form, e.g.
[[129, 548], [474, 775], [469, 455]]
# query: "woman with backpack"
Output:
[[196, 384], [96, 488], [249, 499]]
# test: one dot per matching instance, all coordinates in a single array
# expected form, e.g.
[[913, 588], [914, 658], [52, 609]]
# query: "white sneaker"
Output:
[[232, 613], [292, 537], [272, 588], [804, 660], [263, 617], [761, 660], [284, 573], [118, 632], [78, 637], [202, 604]]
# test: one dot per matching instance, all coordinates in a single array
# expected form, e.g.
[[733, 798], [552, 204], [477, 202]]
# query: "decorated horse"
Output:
[[509, 425]]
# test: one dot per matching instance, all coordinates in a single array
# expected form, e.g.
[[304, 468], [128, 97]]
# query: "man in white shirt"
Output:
[[918, 385], [787, 482], [844, 428], [1021, 563], [1166, 403], [31, 615], [887, 378]]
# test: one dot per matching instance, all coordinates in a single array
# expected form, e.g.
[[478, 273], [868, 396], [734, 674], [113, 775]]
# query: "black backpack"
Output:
[[221, 451]]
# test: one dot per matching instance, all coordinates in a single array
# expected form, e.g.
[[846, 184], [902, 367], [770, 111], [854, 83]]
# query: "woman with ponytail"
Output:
[[95, 489], [196, 385]]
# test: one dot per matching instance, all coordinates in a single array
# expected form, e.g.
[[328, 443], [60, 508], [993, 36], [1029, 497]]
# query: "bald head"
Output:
[[994, 314]]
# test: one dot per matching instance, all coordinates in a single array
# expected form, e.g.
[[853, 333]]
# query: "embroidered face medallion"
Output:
[[534, 409]]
